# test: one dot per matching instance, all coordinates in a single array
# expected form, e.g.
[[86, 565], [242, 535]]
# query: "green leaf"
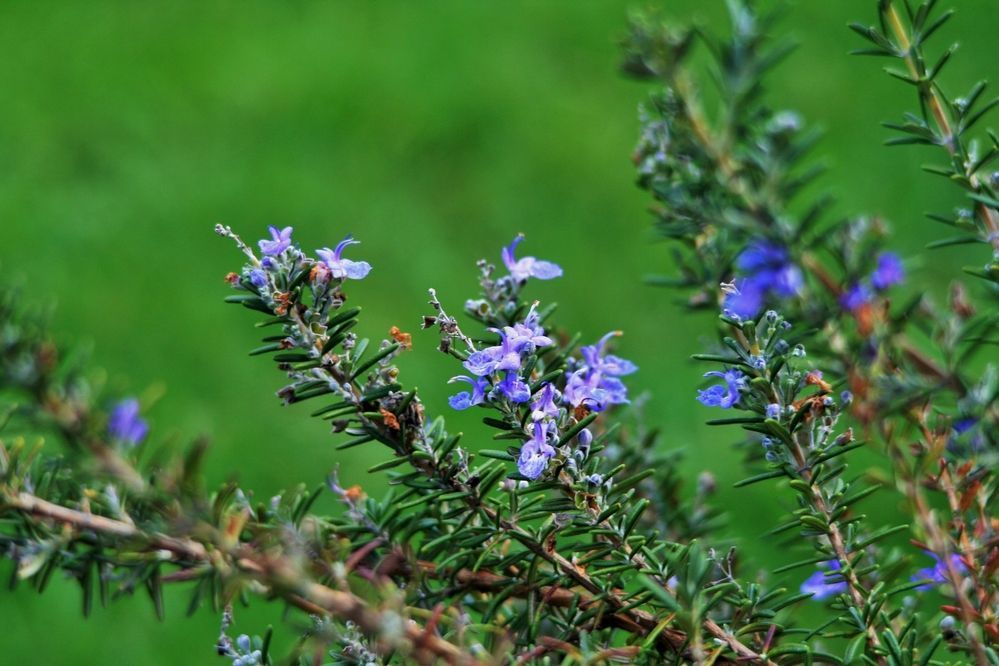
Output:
[[497, 455], [877, 536], [577, 428], [772, 474], [384, 353]]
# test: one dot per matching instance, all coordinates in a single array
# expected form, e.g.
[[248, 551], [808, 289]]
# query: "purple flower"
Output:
[[965, 424], [515, 342], [819, 584], [607, 364], [770, 266], [889, 271], [527, 336], [344, 268], [514, 388], [594, 391], [521, 269], [482, 362], [766, 267], [723, 395], [595, 385], [537, 451], [464, 400], [280, 241], [258, 278], [856, 297], [773, 411], [937, 574], [125, 424], [747, 300], [502, 357], [544, 404]]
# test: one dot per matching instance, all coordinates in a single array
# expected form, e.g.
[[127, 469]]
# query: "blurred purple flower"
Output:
[[819, 584], [766, 267], [856, 297], [889, 271], [747, 300], [937, 574], [125, 424]]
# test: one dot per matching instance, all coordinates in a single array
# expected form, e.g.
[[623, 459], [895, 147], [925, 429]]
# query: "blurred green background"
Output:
[[433, 132]]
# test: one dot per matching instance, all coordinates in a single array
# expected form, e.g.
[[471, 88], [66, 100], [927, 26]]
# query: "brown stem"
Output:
[[642, 564], [939, 543], [856, 590], [279, 576], [931, 97]]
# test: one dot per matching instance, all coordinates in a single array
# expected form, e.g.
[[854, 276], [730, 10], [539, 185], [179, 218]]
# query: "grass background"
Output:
[[433, 132]]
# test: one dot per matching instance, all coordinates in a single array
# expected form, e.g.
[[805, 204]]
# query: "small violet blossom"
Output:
[[464, 400], [856, 297], [516, 342], [125, 424], [514, 388], [766, 268], [937, 574], [502, 357], [724, 395], [595, 385], [528, 267], [340, 267], [527, 336], [544, 404], [258, 278], [537, 451], [887, 273], [820, 586], [280, 241]]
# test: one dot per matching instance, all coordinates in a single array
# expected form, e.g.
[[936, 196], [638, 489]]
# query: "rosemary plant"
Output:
[[572, 538]]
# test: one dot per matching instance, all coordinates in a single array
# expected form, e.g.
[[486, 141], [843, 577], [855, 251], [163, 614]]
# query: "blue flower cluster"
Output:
[[275, 251], [824, 584], [497, 369], [594, 383], [887, 273], [497, 375], [765, 268]]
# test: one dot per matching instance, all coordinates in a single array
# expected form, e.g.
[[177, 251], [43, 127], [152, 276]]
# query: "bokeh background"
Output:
[[433, 132]]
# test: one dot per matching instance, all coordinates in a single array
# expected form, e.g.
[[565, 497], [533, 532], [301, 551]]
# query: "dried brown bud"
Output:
[[404, 339]]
